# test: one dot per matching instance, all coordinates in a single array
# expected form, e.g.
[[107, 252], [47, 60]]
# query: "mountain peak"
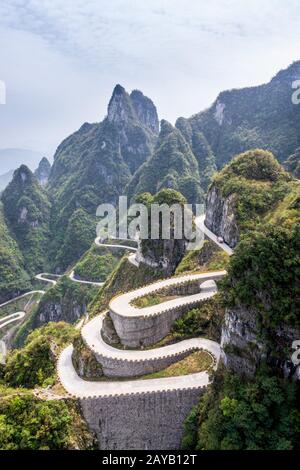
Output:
[[23, 175], [43, 171], [166, 128], [119, 90], [120, 108], [123, 107]]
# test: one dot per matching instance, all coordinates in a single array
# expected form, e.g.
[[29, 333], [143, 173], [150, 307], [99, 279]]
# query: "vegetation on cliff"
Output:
[[258, 183], [263, 278], [237, 414], [264, 275], [43, 171], [172, 165], [13, 277], [27, 212], [262, 116], [66, 301], [207, 258], [35, 363], [125, 277], [97, 263], [30, 423]]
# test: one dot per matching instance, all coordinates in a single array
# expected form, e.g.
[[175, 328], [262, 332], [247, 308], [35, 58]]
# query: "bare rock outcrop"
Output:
[[220, 216]]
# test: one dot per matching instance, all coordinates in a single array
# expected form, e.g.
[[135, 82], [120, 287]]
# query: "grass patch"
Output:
[[198, 361], [150, 300], [207, 258]]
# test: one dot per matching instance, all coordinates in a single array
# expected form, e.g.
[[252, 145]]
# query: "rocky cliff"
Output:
[[220, 216], [243, 193], [262, 298], [162, 253], [245, 349], [262, 116]]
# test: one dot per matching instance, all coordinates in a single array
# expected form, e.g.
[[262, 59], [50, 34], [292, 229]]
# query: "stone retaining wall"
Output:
[[141, 421], [135, 332]]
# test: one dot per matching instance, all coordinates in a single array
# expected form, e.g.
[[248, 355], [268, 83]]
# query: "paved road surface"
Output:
[[11, 318], [201, 225], [93, 339], [83, 388], [121, 304]]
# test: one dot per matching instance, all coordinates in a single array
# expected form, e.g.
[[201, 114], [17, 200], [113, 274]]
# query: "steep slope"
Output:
[[172, 165], [257, 389], [43, 171], [201, 149], [93, 165], [244, 192], [27, 211], [262, 116], [13, 278]]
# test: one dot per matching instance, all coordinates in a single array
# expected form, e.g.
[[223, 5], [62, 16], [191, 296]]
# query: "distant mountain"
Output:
[[43, 171], [93, 166], [5, 179], [258, 117], [27, 213], [11, 158], [172, 165]]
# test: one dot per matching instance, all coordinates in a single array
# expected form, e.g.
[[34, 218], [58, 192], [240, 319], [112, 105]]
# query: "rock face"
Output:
[[244, 347], [84, 361], [135, 118], [242, 351], [145, 110], [162, 254], [239, 119], [58, 311], [43, 171], [220, 216], [124, 107]]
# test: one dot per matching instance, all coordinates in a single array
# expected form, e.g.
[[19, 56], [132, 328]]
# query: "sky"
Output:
[[60, 59]]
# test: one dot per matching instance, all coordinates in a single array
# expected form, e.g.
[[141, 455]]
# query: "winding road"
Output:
[[48, 278], [122, 306], [126, 363]]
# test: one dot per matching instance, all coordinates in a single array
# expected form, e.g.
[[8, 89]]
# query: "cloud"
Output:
[[62, 57]]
